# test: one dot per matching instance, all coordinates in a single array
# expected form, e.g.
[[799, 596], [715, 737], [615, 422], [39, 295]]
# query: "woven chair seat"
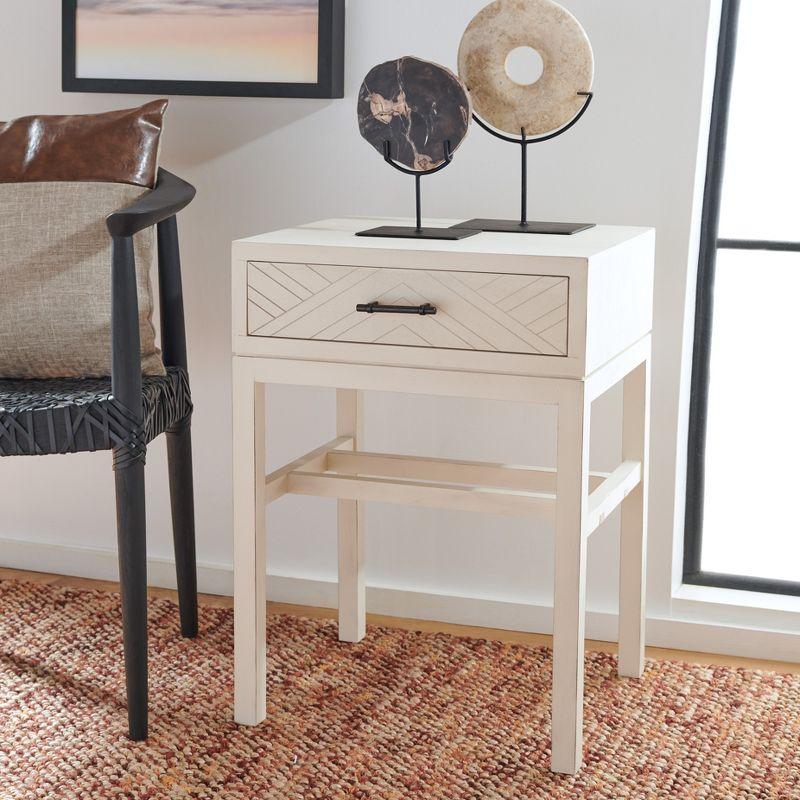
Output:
[[45, 417]]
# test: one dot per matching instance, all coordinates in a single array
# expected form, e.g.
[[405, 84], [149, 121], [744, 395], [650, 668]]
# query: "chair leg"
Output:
[[133, 580], [179, 454]]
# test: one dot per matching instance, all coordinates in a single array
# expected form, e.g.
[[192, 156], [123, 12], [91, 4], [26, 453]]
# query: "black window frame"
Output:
[[710, 243]]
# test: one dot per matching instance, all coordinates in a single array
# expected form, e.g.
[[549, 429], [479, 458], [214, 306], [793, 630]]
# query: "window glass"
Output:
[[752, 477], [761, 190]]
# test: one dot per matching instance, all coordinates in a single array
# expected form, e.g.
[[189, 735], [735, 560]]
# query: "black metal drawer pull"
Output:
[[377, 308]]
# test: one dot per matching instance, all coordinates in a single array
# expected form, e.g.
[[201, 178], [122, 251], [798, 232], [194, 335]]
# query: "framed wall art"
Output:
[[238, 48]]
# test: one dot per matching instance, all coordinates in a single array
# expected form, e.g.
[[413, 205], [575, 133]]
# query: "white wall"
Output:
[[262, 164]]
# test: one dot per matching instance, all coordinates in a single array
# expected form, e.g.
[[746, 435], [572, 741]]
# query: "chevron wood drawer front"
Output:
[[487, 312]]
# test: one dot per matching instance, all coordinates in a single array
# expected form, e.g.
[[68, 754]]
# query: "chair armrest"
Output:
[[171, 194], [157, 207]]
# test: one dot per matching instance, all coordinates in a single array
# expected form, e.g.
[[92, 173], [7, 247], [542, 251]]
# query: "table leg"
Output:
[[249, 557], [352, 587], [633, 532], [572, 487]]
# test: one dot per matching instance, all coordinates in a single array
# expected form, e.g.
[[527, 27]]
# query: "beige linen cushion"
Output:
[[55, 280]]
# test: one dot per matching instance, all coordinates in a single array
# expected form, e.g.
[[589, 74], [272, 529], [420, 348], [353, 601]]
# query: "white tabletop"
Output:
[[332, 233]]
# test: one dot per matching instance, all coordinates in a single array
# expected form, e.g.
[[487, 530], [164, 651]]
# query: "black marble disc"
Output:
[[417, 106]]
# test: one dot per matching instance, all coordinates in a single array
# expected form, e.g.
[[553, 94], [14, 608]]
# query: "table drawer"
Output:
[[485, 312]]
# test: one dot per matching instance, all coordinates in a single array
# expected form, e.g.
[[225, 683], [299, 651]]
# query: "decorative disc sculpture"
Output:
[[415, 114], [531, 112]]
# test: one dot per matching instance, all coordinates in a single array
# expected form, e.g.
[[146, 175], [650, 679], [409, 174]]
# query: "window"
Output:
[[742, 527]]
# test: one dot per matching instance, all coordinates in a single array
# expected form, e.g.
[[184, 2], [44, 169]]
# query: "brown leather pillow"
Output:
[[113, 147], [60, 177]]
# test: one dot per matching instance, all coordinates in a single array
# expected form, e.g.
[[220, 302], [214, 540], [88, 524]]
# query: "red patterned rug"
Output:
[[401, 716]]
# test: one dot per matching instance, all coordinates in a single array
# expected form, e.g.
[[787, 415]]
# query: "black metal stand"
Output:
[[419, 232], [523, 225]]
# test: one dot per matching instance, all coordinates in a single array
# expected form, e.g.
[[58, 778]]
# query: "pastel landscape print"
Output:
[[263, 41]]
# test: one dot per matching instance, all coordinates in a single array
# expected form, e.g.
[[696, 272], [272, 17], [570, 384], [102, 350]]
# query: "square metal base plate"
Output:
[[445, 234], [513, 226]]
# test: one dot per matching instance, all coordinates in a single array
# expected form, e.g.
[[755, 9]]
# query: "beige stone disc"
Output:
[[560, 40]]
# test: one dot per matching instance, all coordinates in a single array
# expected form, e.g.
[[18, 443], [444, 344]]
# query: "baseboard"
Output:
[[487, 612], [101, 564]]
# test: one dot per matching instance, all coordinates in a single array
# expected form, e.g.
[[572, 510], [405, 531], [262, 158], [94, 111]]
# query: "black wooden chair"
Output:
[[123, 414]]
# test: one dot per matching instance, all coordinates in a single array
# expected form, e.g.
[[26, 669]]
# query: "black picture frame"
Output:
[[330, 83], [710, 244]]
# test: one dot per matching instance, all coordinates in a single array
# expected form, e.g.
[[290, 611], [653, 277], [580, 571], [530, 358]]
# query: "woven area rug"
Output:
[[401, 715]]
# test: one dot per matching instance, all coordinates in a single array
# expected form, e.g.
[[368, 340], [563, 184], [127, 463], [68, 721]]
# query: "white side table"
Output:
[[536, 319]]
